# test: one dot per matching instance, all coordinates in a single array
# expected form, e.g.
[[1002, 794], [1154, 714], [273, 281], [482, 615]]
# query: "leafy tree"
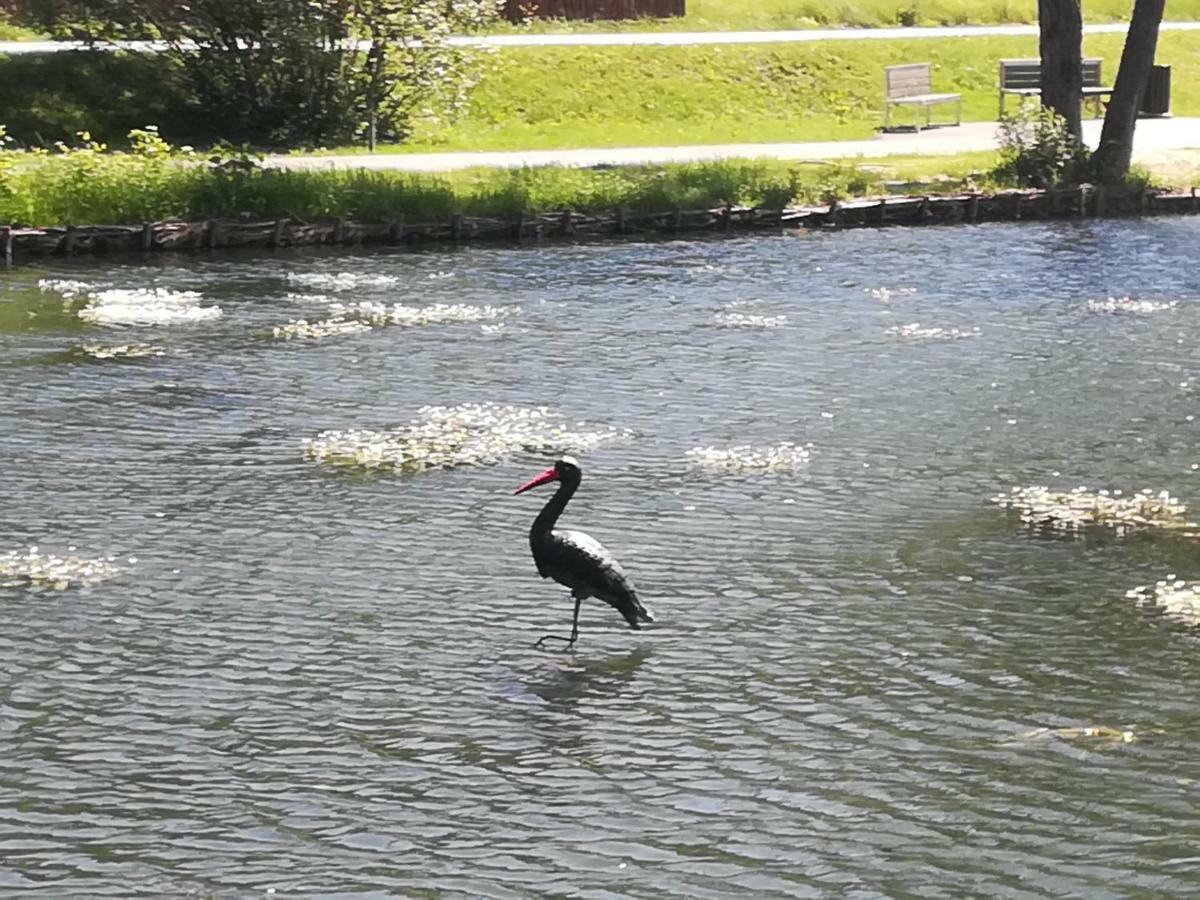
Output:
[[294, 71]]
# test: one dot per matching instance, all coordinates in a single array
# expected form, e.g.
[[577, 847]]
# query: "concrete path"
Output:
[[1153, 138], [678, 38]]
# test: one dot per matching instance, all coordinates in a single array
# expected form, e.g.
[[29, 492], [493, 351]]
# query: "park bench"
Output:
[[909, 85], [1023, 77]]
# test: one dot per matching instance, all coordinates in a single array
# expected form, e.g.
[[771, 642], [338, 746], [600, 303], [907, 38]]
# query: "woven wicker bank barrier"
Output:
[[20, 243]]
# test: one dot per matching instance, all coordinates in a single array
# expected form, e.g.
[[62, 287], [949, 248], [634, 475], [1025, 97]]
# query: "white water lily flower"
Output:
[[783, 457], [915, 331], [302, 328], [340, 281], [154, 306], [35, 569], [380, 314], [1128, 305], [1175, 597], [748, 320], [444, 437]]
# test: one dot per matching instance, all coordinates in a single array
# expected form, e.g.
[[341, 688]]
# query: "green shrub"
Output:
[[1037, 149]]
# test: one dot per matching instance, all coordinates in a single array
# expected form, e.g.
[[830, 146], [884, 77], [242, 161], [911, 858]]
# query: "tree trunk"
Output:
[[1111, 161], [1060, 44]]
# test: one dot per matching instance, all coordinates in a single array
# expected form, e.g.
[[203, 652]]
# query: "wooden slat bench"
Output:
[[1023, 77], [909, 85]]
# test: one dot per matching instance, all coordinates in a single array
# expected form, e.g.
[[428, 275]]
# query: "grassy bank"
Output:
[[89, 185], [630, 96], [556, 97], [753, 15]]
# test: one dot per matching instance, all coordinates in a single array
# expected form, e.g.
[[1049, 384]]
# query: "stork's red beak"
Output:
[[551, 474]]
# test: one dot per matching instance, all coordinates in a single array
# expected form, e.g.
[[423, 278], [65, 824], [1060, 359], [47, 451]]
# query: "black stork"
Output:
[[574, 559]]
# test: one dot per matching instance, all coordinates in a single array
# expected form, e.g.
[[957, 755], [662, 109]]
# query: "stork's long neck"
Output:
[[554, 508]]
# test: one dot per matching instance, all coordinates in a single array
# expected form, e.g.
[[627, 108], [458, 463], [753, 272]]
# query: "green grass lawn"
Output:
[[546, 98], [754, 15]]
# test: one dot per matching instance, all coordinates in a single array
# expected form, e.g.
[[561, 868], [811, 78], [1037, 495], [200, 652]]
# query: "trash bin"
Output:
[[1156, 99]]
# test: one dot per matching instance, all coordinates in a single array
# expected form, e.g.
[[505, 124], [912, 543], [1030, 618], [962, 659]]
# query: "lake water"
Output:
[[866, 679]]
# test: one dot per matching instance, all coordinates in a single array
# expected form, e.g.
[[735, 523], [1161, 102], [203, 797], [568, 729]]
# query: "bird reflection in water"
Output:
[[563, 686]]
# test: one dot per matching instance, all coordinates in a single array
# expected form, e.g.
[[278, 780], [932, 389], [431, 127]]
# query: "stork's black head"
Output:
[[565, 470]]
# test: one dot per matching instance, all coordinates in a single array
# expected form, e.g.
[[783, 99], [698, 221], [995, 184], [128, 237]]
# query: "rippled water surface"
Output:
[[866, 679]]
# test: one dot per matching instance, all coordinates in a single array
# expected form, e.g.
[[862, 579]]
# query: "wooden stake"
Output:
[[727, 215], [147, 238], [677, 221], [210, 234], [456, 226], [6, 237], [339, 230], [974, 208], [620, 225], [565, 227], [1017, 207], [396, 231], [68, 243], [277, 232], [883, 211]]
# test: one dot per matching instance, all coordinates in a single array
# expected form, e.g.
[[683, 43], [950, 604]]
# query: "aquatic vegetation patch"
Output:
[[748, 320], [1099, 734], [445, 437], [884, 295], [1129, 305], [364, 315], [139, 307], [104, 352], [780, 458], [130, 306], [1174, 596], [914, 331], [68, 289], [45, 570], [1080, 508], [341, 281], [381, 314], [303, 329]]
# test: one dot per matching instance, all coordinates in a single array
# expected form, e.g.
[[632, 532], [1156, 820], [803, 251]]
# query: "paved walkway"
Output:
[[677, 38], [1153, 139]]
